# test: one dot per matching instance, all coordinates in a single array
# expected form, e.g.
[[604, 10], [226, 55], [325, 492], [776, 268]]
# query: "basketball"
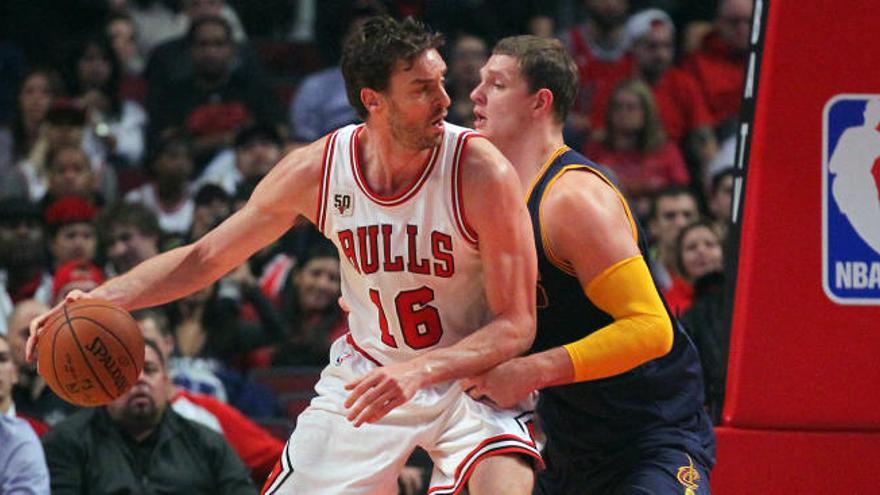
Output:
[[91, 353]]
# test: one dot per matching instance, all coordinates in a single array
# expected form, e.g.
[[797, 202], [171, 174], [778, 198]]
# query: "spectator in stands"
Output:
[[257, 448], [167, 194], [672, 208], [310, 309], [698, 252], [32, 397], [70, 223], [701, 256], [468, 54], [600, 49], [682, 110], [257, 149], [115, 130], [217, 98], [721, 200], [123, 35], [158, 23], [635, 147], [75, 275], [130, 234], [137, 444], [69, 173], [719, 64], [22, 463], [212, 205], [38, 90], [23, 273], [8, 379]]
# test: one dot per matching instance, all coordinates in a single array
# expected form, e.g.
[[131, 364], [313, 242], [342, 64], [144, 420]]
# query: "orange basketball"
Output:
[[91, 353]]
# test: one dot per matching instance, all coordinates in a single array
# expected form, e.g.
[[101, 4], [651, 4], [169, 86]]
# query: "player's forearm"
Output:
[[502, 339], [160, 279]]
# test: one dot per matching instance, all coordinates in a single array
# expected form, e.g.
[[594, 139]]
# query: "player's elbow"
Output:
[[661, 334]]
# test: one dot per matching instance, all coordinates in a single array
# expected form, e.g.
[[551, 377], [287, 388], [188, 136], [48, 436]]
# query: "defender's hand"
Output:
[[38, 324], [378, 392], [504, 386]]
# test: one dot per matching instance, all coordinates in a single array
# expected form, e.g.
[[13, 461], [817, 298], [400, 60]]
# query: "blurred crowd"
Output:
[[129, 127]]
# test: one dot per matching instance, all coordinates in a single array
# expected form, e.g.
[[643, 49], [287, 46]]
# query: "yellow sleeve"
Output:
[[641, 331]]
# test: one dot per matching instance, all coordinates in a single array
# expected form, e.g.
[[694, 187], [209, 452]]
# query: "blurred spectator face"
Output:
[[122, 37], [720, 202], [21, 243], [627, 113], [70, 173], [700, 252], [74, 241], [734, 22], [673, 213], [35, 98], [256, 158], [19, 330], [468, 55], [64, 134], [655, 51], [498, 100], [150, 328], [143, 405], [608, 14], [201, 8], [173, 165], [212, 51], [8, 373], [93, 69], [317, 284], [128, 246]]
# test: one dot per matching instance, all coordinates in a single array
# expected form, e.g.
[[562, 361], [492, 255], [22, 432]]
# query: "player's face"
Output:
[[144, 403], [417, 101], [655, 51], [8, 372], [700, 252], [318, 284], [502, 101], [75, 241]]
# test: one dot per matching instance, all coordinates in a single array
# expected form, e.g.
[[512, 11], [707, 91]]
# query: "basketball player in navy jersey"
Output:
[[438, 268], [621, 387]]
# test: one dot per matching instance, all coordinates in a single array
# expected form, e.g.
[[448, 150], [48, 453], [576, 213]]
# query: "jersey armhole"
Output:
[[326, 166], [461, 222]]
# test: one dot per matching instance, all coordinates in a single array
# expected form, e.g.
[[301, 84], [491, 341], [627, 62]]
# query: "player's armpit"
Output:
[[642, 328]]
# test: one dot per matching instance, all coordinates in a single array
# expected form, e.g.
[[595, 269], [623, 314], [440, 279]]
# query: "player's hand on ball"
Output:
[[37, 324], [504, 386], [378, 392]]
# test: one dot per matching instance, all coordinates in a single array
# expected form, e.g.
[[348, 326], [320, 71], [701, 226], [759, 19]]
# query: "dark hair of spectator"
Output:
[[701, 223], [56, 87], [209, 193], [204, 21], [157, 315], [545, 63], [668, 192], [110, 88], [173, 138], [718, 177], [651, 136], [373, 49], [155, 346], [130, 215]]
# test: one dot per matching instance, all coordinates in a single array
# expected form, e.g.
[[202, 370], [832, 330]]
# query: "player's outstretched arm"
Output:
[[288, 190], [495, 210], [603, 253]]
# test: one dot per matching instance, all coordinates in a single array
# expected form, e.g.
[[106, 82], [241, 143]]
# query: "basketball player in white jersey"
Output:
[[438, 268]]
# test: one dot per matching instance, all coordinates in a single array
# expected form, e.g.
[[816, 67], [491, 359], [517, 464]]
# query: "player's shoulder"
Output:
[[481, 161], [580, 192]]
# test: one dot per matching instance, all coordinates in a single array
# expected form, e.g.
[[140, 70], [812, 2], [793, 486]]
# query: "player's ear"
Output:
[[543, 101], [371, 99]]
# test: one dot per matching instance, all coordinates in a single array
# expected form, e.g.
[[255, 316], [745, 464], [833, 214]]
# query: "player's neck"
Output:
[[389, 167], [531, 149]]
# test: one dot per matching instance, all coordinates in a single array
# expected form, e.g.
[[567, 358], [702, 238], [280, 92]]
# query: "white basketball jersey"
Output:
[[411, 271]]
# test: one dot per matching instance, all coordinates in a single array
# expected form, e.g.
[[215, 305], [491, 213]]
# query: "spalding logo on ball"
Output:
[[91, 353]]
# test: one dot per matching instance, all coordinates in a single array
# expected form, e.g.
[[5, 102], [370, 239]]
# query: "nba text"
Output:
[[856, 275]]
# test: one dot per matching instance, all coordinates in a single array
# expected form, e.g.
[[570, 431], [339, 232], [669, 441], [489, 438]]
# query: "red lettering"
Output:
[[441, 248], [369, 255], [415, 265], [390, 265], [346, 240]]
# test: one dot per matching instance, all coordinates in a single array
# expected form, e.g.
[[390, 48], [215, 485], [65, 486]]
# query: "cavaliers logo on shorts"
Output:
[[851, 199], [689, 477]]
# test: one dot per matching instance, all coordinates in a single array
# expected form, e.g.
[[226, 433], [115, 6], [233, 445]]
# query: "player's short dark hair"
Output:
[[673, 191], [372, 50], [545, 63]]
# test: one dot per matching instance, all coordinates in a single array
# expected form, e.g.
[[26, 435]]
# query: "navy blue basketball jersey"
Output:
[[665, 394]]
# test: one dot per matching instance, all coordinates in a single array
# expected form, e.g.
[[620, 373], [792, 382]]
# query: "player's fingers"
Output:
[[359, 386], [384, 408], [74, 295], [36, 328], [365, 401]]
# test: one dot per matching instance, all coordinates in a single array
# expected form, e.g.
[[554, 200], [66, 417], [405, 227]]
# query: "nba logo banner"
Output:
[[851, 199]]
